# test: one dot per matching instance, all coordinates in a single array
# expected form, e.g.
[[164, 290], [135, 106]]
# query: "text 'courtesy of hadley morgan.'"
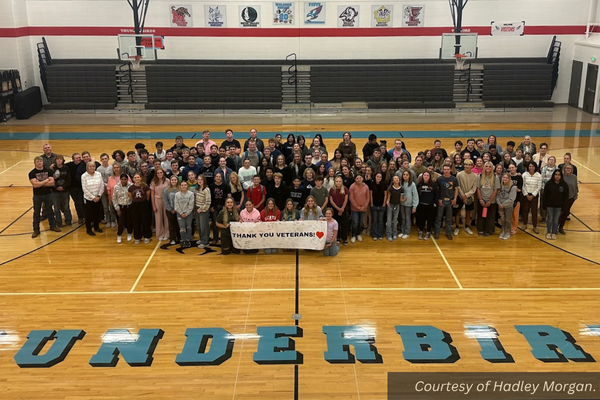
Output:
[[493, 386]]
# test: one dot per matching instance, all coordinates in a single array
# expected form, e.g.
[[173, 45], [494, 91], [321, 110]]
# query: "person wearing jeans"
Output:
[[184, 206], [394, 199], [378, 200], [409, 204], [556, 199], [359, 202], [446, 188], [532, 184], [42, 181], [571, 180], [203, 200]]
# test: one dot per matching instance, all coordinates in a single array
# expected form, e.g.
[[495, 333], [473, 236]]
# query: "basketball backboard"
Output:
[[467, 43], [141, 45]]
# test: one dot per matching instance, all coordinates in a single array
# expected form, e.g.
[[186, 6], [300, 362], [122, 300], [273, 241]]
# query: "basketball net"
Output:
[[460, 60], [135, 61]]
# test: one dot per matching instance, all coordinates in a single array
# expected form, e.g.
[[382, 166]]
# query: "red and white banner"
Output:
[[309, 235], [508, 28]]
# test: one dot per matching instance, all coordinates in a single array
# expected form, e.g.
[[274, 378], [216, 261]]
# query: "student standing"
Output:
[[446, 189], [505, 199], [556, 193], [202, 206], [184, 206], [122, 203], [409, 203], [169, 199], [487, 189], [359, 202], [532, 184], [157, 189], [571, 180], [394, 202], [426, 207], [338, 196], [139, 193], [60, 194], [379, 195]]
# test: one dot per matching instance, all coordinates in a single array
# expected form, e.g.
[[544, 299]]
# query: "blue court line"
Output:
[[462, 134]]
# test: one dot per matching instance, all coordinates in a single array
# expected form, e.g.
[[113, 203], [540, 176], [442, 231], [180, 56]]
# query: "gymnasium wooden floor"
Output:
[[70, 281]]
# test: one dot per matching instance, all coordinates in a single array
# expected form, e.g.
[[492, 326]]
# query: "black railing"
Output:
[[44, 60], [554, 59], [292, 61], [466, 77], [127, 79]]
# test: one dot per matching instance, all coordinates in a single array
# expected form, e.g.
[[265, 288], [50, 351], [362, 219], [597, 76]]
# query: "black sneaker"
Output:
[[91, 233], [35, 234], [436, 236], [449, 237], [55, 229], [561, 231], [98, 230]]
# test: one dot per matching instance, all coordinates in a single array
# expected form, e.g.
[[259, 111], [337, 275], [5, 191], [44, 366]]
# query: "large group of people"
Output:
[[182, 190]]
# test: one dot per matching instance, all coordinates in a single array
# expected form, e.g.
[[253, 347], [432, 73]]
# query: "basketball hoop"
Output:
[[135, 61], [460, 60]]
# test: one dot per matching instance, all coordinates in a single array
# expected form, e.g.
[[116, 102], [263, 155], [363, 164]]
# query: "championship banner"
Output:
[[508, 28], [283, 13], [308, 235]]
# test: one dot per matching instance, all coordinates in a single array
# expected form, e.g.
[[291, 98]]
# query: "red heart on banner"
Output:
[[320, 234]]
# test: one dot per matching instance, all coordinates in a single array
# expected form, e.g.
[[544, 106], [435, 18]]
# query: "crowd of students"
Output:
[[181, 190]]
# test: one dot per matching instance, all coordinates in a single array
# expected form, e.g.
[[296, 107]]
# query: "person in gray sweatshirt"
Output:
[[183, 204], [506, 198]]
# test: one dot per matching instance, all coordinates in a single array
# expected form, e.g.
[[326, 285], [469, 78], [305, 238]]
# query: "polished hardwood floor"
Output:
[[69, 280]]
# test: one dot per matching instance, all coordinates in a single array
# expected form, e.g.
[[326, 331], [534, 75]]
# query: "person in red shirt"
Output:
[[270, 214], [257, 193]]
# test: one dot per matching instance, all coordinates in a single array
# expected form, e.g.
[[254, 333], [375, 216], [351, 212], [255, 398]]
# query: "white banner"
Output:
[[314, 13], [508, 28], [309, 235], [283, 14], [348, 16]]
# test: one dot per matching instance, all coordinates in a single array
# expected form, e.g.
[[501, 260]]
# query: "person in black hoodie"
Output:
[[556, 196], [75, 189], [60, 194]]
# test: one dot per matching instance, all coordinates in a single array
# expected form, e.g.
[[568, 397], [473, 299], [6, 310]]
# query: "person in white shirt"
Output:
[[93, 189], [532, 185], [246, 173]]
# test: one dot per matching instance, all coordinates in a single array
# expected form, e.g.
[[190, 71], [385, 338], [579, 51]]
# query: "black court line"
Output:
[[18, 218], [584, 224], [41, 247], [559, 248]]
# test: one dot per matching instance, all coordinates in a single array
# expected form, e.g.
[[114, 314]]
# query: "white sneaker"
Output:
[[404, 237], [201, 246], [173, 242], [113, 225], [374, 239], [119, 239], [359, 238], [129, 237], [353, 239], [146, 241], [456, 231], [137, 242], [468, 230], [506, 236], [554, 236], [395, 237], [427, 236]]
